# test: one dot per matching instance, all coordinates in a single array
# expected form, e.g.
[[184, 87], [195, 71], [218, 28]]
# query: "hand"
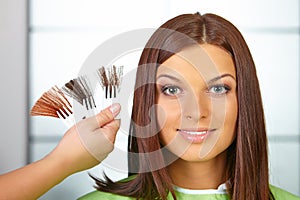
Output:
[[88, 142], [83, 146]]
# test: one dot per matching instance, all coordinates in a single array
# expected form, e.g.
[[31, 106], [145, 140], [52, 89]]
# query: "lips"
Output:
[[195, 136]]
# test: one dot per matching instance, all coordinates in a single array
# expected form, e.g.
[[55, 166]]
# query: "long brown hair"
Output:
[[247, 169]]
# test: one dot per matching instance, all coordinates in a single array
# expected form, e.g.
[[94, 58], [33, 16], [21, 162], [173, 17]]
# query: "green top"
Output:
[[219, 194]]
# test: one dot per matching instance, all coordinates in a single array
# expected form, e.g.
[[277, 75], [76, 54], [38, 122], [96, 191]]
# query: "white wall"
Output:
[[13, 84]]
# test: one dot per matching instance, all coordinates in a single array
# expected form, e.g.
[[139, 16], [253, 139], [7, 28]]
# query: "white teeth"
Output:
[[196, 132]]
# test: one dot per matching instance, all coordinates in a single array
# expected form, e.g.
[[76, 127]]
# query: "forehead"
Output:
[[206, 60]]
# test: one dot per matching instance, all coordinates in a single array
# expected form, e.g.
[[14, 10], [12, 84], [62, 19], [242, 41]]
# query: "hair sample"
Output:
[[80, 90], [110, 80], [247, 169], [52, 103]]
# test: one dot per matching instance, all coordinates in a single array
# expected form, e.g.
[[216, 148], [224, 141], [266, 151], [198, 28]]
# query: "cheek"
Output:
[[169, 119], [230, 121], [231, 113], [166, 110], [225, 118], [224, 112]]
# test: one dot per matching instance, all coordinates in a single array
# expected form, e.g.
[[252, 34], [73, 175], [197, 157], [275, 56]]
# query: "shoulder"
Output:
[[96, 195], [280, 194]]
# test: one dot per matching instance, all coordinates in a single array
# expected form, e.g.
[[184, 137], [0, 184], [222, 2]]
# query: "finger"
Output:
[[102, 118], [108, 114]]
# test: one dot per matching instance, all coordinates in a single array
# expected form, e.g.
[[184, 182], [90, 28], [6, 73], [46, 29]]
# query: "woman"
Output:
[[205, 137]]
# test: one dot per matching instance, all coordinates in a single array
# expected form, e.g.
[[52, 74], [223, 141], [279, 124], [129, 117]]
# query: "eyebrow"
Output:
[[210, 81], [169, 76], [220, 77]]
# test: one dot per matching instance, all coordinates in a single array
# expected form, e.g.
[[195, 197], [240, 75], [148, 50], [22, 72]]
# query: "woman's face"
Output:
[[197, 102]]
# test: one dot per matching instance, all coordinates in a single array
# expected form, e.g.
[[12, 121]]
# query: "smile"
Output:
[[195, 136]]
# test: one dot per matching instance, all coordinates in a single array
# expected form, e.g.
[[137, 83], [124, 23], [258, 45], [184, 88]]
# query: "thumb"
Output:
[[110, 130]]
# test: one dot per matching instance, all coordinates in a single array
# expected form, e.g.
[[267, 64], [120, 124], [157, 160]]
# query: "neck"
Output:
[[199, 175]]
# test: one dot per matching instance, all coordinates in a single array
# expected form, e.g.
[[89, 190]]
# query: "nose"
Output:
[[196, 107]]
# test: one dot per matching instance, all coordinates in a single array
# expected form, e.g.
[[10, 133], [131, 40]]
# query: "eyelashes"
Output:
[[171, 90], [214, 90], [219, 89]]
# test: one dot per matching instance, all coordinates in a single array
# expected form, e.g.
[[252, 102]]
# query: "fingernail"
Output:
[[115, 109]]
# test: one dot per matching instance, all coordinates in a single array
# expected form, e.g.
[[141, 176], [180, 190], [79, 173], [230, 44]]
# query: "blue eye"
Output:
[[171, 90], [219, 89]]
